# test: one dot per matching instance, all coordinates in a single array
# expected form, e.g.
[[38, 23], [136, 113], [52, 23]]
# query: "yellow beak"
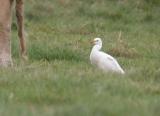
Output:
[[92, 42]]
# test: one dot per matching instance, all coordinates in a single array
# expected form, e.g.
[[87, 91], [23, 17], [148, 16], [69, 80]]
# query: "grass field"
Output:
[[58, 79]]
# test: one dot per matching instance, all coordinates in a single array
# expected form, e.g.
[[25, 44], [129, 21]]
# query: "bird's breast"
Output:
[[94, 58]]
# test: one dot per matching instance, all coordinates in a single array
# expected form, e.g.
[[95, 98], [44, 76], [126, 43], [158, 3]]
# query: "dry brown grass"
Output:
[[122, 49]]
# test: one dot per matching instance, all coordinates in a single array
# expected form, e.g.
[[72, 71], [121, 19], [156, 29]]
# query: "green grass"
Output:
[[59, 80]]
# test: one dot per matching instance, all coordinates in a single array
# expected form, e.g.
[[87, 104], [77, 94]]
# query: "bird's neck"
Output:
[[96, 48]]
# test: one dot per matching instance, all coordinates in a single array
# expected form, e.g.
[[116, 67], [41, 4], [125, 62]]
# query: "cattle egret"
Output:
[[102, 60]]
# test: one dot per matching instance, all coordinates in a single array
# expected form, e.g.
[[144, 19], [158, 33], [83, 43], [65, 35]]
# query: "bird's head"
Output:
[[97, 41]]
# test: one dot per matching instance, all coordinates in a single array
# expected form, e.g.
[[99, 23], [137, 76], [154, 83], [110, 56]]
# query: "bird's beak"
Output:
[[92, 42]]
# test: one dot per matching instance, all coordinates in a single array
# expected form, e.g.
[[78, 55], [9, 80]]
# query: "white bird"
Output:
[[102, 60]]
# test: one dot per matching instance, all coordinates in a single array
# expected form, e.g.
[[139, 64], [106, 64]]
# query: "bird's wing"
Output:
[[109, 57], [111, 62]]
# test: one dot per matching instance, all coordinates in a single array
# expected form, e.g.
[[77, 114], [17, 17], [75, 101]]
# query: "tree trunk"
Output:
[[5, 32]]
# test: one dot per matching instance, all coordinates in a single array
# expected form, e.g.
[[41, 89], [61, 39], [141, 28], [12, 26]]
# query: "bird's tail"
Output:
[[122, 71]]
